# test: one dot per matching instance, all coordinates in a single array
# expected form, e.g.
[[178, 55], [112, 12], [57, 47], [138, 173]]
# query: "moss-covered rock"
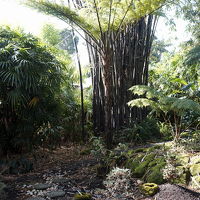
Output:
[[153, 148], [149, 189], [141, 169], [82, 196], [156, 175], [195, 159], [195, 169], [182, 159], [140, 150]]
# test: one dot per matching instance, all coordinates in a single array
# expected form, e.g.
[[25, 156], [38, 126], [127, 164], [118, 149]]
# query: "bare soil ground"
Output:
[[65, 162], [80, 173]]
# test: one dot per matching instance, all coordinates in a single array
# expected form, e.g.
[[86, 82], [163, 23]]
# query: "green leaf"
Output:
[[145, 90], [142, 102], [179, 80]]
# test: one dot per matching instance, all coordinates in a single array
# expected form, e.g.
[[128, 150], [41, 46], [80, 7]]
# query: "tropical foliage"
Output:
[[61, 39], [102, 15], [30, 92], [171, 109], [102, 22]]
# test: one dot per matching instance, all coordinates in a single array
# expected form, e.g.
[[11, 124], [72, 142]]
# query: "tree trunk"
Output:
[[83, 133], [107, 80]]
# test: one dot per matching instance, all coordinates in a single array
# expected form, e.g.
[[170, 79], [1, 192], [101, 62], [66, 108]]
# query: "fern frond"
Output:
[[64, 13], [145, 90], [193, 57], [182, 105], [142, 102]]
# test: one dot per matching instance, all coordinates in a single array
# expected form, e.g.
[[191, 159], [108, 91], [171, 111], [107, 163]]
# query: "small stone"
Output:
[[183, 159], [60, 180], [42, 186], [55, 194], [195, 159], [139, 182], [195, 169], [35, 198]]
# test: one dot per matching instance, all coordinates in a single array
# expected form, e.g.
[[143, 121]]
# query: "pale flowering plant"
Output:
[[118, 182]]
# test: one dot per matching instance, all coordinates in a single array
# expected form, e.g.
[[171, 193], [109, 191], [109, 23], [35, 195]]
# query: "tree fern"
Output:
[[168, 106], [193, 57], [142, 102], [145, 90], [64, 13], [99, 16]]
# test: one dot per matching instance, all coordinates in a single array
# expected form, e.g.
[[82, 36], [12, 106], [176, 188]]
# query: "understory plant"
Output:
[[98, 148], [31, 103], [118, 182], [172, 110]]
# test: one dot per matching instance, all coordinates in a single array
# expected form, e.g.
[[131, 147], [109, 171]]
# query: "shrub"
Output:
[[171, 109], [118, 182], [30, 90]]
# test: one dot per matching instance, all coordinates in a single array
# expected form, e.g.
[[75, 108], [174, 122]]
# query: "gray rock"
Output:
[[60, 180], [2, 191], [42, 186], [55, 194], [35, 198], [140, 182], [2, 186]]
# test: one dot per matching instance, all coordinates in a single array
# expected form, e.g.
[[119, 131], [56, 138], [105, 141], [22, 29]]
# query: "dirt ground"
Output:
[[79, 175], [66, 162]]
